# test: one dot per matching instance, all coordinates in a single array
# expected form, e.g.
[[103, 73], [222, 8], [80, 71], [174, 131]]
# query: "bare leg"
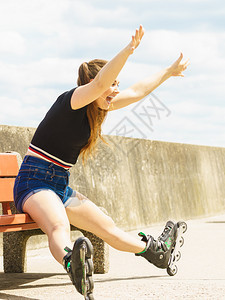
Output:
[[47, 210], [86, 215]]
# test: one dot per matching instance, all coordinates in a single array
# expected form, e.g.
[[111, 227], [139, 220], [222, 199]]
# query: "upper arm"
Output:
[[85, 94]]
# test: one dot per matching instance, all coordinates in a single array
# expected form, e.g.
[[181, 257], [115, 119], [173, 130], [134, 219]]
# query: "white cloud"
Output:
[[11, 42], [38, 15], [188, 123], [15, 112], [202, 47], [45, 72]]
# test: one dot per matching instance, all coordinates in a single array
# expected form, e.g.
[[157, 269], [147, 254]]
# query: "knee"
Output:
[[59, 227]]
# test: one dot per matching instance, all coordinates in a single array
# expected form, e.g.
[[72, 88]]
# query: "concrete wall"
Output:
[[141, 182]]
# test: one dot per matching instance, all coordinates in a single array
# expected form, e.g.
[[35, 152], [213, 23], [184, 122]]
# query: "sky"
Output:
[[44, 42]]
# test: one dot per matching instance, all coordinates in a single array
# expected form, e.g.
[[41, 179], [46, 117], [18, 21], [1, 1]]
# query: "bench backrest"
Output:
[[9, 221], [8, 171]]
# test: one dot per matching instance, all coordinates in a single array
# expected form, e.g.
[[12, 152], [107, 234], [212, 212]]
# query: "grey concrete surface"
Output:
[[201, 271]]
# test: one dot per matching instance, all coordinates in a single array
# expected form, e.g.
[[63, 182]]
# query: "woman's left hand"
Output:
[[178, 66]]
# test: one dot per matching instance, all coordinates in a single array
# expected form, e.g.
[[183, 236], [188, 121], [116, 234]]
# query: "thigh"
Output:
[[47, 210], [88, 216], [76, 199]]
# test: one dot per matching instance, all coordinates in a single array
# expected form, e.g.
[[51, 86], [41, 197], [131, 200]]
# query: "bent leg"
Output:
[[47, 210], [86, 215]]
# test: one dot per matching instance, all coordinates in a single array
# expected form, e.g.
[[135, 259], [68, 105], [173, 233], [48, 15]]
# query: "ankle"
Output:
[[142, 248]]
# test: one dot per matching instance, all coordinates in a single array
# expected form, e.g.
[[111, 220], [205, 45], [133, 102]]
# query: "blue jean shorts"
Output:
[[35, 175]]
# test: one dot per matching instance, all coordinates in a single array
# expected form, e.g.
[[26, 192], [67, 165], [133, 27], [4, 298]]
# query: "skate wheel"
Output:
[[178, 256], [90, 284], [87, 248], [89, 297], [89, 267], [183, 226], [172, 271], [181, 241]]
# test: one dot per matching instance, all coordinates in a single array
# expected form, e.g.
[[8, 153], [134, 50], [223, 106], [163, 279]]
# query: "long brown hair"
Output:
[[96, 116]]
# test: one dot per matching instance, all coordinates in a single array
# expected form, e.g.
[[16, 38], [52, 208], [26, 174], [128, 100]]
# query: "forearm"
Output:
[[144, 87], [140, 89], [111, 70]]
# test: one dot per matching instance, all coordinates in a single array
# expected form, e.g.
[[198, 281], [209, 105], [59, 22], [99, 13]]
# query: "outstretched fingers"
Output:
[[180, 58], [187, 63], [178, 67], [139, 34], [141, 31], [136, 38], [184, 66]]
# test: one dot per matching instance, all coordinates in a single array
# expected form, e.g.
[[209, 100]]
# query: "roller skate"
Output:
[[79, 266], [163, 252], [175, 255]]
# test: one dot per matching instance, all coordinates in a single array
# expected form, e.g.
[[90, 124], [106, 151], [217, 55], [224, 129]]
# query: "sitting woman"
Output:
[[71, 128]]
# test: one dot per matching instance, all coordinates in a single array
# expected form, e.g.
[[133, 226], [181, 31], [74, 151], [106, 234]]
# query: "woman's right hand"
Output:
[[136, 39], [87, 93]]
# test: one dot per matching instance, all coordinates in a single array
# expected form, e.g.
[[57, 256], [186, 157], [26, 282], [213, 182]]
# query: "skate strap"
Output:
[[143, 235], [68, 255], [147, 239], [67, 249], [150, 241], [66, 259]]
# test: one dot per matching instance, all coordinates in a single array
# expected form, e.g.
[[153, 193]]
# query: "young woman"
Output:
[[72, 127]]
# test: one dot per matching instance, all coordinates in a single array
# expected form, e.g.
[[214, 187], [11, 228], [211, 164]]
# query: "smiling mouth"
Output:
[[109, 99]]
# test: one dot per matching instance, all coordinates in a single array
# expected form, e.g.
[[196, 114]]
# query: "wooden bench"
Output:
[[17, 227]]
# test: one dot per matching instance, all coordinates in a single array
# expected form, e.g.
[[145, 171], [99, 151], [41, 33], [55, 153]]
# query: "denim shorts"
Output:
[[35, 175]]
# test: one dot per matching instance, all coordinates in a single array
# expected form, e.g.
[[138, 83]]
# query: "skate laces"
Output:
[[159, 246], [165, 237], [167, 229]]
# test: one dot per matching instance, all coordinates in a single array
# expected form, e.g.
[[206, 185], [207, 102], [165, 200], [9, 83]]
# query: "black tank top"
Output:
[[62, 133]]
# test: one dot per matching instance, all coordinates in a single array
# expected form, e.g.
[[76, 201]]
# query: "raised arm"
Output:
[[144, 87], [87, 93]]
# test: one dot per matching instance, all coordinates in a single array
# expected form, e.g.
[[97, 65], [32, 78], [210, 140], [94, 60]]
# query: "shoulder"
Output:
[[64, 101], [67, 95]]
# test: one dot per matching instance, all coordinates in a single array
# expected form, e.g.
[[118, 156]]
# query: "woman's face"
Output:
[[105, 99]]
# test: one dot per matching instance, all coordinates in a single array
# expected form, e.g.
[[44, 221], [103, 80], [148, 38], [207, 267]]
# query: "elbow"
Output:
[[137, 94], [99, 84]]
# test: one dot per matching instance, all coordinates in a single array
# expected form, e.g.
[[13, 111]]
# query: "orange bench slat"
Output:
[[15, 219], [6, 189], [6, 208], [18, 227], [11, 222], [8, 164]]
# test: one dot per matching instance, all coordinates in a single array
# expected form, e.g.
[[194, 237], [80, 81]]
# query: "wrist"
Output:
[[168, 72], [128, 50]]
